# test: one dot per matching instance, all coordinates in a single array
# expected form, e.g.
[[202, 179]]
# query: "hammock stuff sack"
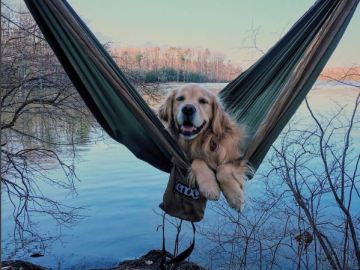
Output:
[[263, 98]]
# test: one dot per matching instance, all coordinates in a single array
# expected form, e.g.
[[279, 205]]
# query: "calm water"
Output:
[[119, 196]]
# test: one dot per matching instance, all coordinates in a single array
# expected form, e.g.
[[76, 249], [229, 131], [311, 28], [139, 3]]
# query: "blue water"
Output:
[[119, 195]]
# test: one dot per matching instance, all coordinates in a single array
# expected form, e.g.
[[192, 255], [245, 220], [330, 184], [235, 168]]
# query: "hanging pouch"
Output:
[[180, 200]]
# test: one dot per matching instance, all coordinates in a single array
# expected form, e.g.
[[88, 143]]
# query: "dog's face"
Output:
[[190, 111]]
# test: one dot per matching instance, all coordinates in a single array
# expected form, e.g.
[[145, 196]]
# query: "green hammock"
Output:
[[264, 97]]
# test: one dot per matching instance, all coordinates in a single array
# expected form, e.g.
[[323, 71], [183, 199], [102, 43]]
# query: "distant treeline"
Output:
[[166, 74], [155, 64]]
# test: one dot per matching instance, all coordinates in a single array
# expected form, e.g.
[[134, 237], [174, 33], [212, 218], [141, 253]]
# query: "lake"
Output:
[[119, 197]]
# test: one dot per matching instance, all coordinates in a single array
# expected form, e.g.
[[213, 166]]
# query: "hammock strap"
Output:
[[181, 256]]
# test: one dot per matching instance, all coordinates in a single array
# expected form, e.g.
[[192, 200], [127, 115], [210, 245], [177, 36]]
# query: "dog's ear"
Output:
[[220, 121], [165, 110]]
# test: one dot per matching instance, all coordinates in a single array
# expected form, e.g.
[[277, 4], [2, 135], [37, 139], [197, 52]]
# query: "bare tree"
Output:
[[303, 214], [42, 121]]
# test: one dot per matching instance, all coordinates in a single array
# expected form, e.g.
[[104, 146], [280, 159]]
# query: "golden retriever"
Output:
[[211, 139]]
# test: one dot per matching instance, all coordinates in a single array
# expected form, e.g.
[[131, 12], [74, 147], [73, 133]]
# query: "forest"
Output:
[[175, 64]]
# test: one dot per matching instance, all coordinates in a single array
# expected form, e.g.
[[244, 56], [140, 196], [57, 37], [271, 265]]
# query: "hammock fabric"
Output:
[[263, 98]]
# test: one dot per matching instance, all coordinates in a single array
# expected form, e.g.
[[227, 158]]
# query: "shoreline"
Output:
[[149, 261]]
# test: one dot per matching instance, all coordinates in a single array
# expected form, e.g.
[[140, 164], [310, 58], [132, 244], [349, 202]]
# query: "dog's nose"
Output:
[[188, 109]]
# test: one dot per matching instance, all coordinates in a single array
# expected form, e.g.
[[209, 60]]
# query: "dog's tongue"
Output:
[[188, 128]]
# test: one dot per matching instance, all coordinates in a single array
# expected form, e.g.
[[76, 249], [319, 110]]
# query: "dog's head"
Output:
[[191, 111]]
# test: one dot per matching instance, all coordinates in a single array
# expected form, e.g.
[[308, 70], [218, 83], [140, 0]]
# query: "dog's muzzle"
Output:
[[188, 121]]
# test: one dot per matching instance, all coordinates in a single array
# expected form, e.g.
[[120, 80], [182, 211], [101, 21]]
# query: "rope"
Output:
[[180, 257]]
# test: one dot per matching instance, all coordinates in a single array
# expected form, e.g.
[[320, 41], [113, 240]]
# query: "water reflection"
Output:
[[39, 154], [46, 130]]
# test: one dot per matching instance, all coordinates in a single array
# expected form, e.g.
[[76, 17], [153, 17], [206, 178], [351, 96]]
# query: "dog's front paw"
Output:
[[210, 190], [232, 185], [205, 179], [235, 199]]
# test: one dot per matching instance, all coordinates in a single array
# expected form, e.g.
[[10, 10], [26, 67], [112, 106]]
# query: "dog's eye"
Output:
[[180, 98], [203, 101]]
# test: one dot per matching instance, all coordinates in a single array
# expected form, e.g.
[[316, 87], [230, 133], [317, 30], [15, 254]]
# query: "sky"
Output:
[[226, 26]]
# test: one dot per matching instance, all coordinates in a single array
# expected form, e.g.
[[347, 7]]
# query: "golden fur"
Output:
[[216, 151]]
